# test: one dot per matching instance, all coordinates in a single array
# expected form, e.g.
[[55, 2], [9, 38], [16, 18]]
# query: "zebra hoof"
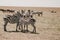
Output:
[[17, 31], [5, 30], [21, 30], [27, 30], [33, 32]]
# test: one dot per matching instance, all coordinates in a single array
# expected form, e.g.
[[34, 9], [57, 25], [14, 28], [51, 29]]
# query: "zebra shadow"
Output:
[[23, 32], [12, 31]]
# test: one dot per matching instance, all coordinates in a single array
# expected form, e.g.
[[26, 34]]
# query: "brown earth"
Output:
[[48, 25]]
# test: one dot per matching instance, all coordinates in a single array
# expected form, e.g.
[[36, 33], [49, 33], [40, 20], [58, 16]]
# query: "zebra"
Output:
[[12, 19], [40, 13], [27, 20]]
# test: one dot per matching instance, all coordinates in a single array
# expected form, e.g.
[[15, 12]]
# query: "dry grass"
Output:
[[48, 26]]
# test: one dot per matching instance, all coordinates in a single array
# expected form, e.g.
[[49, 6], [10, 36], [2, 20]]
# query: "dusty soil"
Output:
[[48, 26]]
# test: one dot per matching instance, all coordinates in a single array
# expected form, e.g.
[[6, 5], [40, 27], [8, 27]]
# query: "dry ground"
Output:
[[48, 27]]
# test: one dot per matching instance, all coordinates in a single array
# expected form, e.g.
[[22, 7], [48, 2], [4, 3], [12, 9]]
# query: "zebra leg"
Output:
[[24, 27], [27, 28], [21, 28], [5, 26], [17, 26], [41, 13], [34, 30]]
